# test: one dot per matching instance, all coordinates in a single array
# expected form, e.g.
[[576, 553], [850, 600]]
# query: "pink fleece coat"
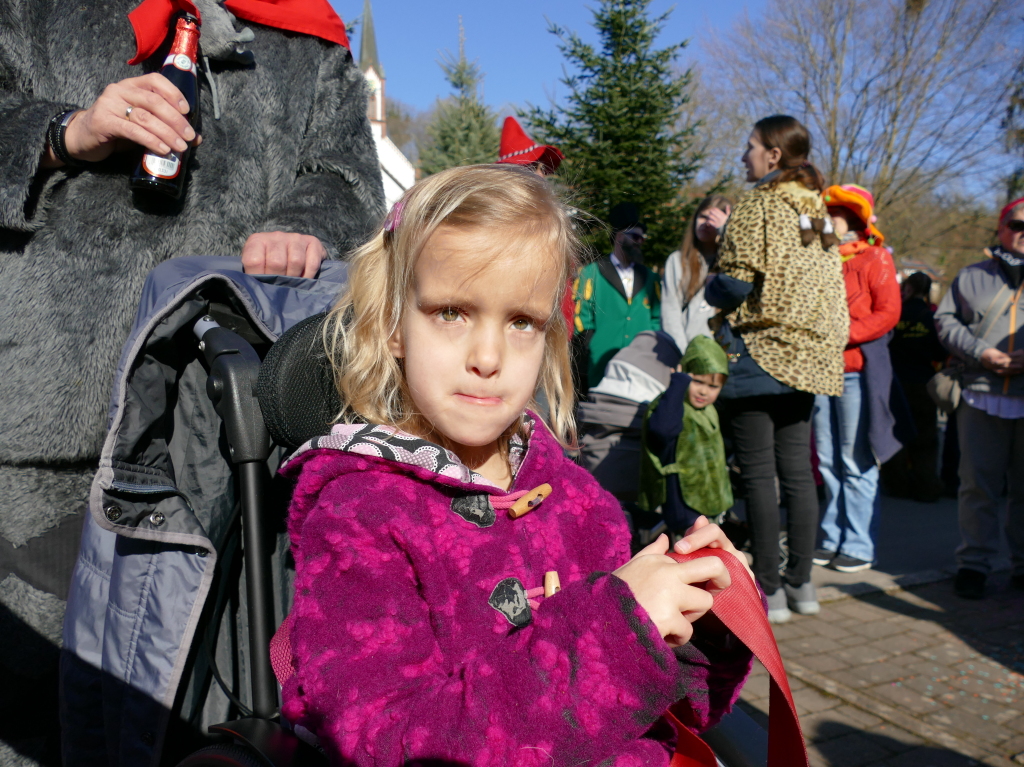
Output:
[[417, 633]]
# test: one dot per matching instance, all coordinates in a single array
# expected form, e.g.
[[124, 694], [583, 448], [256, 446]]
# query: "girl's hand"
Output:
[[674, 594], [705, 534]]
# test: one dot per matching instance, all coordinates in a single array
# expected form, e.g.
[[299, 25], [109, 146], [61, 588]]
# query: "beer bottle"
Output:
[[166, 173]]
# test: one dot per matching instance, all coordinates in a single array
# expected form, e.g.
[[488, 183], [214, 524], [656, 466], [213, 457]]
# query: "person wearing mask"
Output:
[[616, 296], [684, 312], [854, 431], [915, 350], [979, 321], [286, 175], [781, 289]]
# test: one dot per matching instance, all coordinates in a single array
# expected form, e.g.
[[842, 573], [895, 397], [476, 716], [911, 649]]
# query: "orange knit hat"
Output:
[[860, 201]]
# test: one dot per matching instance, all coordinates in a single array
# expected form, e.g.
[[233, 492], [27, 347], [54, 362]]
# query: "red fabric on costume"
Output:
[[873, 297], [569, 308], [152, 19]]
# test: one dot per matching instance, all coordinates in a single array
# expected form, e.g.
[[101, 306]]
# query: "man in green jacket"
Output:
[[616, 296]]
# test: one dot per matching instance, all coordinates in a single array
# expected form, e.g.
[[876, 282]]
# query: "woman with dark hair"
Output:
[[781, 289], [687, 269]]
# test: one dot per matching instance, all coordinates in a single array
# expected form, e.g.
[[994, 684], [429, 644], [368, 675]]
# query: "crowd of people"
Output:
[[763, 356], [830, 359]]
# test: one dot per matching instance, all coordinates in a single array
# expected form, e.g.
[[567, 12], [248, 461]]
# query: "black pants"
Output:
[[911, 473], [773, 434]]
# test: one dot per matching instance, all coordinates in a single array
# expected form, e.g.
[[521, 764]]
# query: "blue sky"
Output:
[[510, 41]]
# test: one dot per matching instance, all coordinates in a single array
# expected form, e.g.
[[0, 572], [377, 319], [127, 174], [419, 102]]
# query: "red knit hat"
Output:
[[860, 201], [519, 149], [1009, 206]]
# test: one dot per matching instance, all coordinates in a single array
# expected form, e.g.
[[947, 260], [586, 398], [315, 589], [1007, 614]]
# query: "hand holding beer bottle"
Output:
[[147, 111]]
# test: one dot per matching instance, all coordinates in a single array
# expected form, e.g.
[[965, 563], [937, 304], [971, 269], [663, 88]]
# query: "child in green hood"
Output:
[[683, 468]]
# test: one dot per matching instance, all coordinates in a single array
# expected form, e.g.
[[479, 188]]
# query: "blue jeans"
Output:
[[848, 468]]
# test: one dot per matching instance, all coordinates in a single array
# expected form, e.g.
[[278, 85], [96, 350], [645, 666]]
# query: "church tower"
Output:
[[397, 173], [369, 64]]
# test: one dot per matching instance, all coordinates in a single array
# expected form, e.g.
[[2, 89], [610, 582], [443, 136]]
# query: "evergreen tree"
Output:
[[621, 127], [464, 130]]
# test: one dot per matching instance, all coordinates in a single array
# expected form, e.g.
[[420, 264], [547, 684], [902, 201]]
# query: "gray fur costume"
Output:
[[292, 151]]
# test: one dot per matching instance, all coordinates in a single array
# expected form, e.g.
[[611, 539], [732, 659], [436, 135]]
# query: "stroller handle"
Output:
[[234, 367]]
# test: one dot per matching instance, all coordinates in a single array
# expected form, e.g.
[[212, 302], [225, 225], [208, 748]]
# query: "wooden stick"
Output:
[[530, 501], [551, 583]]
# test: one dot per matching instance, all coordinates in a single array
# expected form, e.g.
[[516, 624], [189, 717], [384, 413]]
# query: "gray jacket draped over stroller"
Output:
[[148, 585]]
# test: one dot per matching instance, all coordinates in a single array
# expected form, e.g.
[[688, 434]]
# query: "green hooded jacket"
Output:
[[700, 453]]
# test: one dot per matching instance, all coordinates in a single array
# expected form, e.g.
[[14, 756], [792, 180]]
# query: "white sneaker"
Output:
[[778, 609], [802, 599]]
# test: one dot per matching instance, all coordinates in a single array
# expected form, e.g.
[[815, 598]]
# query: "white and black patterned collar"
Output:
[[389, 443]]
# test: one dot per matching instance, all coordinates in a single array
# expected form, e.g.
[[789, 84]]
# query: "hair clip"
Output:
[[394, 217]]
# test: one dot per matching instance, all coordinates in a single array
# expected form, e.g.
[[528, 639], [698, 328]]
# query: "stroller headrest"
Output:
[[296, 386]]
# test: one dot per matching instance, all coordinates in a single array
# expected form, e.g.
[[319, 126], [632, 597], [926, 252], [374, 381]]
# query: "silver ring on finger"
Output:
[[128, 113]]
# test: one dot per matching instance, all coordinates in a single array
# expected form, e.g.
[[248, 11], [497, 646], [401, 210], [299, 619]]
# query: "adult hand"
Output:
[[1017, 362], [664, 588], [718, 217], [704, 534], [284, 253], [157, 121], [1001, 362]]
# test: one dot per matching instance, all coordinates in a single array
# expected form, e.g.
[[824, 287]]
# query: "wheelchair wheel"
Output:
[[223, 755]]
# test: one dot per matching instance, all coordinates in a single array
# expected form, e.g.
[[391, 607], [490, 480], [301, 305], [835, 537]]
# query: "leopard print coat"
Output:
[[795, 321]]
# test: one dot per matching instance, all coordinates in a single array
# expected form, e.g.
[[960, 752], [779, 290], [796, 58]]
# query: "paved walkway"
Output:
[[897, 671]]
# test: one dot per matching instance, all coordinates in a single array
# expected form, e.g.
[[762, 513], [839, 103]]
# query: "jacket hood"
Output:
[[703, 356], [801, 199]]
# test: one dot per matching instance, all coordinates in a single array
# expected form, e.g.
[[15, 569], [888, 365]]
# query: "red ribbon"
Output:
[[739, 608], [152, 19]]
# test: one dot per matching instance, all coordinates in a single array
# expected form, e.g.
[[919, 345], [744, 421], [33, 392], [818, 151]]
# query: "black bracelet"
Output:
[[55, 136]]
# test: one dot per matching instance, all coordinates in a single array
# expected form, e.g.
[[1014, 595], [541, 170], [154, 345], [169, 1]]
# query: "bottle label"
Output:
[[167, 166], [181, 61]]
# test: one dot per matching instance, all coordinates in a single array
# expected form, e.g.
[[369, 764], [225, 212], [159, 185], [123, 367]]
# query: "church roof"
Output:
[[368, 43]]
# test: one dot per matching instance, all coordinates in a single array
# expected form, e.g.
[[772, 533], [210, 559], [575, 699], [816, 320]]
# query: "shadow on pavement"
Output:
[[993, 627]]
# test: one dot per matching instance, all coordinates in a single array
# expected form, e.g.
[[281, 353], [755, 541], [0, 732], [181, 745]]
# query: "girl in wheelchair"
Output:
[[464, 592]]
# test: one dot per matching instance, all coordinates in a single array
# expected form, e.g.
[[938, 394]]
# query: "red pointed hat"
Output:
[[519, 149]]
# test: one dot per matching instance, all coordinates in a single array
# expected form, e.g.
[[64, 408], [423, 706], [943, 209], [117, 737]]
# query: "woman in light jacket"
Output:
[[684, 312]]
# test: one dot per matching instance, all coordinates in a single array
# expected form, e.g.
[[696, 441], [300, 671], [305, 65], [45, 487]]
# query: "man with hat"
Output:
[[981, 321], [519, 149], [616, 296]]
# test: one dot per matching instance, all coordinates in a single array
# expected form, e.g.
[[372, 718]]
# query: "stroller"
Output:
[[183, 573], [610, 419]]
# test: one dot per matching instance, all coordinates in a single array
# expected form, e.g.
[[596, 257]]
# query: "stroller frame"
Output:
[[261, 740], [234, 368]]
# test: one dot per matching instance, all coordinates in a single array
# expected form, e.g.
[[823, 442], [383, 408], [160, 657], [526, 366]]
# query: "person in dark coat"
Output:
[[286, 174], [915, 351]]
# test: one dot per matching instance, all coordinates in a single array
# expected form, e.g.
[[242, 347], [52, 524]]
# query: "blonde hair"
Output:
[[512, 200]]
